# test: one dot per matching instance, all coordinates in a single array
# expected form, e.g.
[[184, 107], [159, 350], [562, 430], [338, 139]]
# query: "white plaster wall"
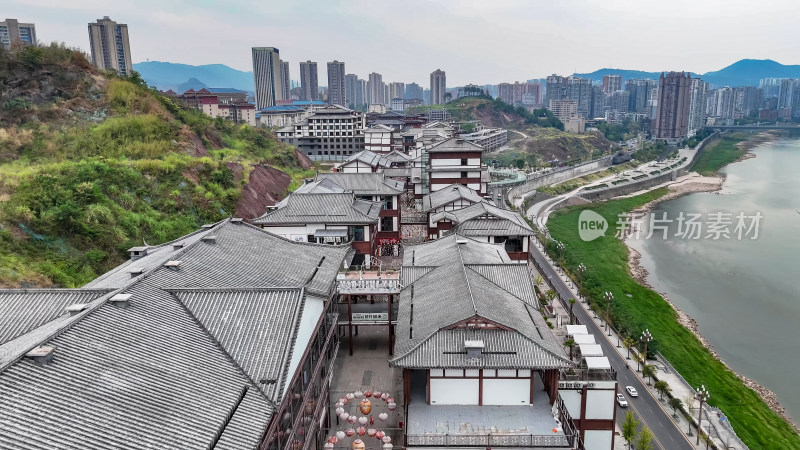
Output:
[[506, 391], [572, 400], [600, 404], [454, 392], [312, 311], [597, 440]]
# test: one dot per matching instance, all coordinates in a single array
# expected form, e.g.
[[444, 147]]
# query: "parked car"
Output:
[[621, 401], [631, 391]]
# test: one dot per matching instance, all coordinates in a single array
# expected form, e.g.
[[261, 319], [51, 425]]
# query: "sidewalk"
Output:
[[714, 422]]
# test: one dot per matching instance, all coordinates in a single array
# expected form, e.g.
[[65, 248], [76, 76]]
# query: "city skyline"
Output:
[[497, 50]]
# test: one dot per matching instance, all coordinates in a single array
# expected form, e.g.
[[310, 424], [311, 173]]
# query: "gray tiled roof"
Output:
[[454, 145], [449, 194], [483, 219], [243, 320], [374, 183], [320, 187], [467, 281], [142, 377], [22, 310], [176, 368], [365, 156], [334, 208]]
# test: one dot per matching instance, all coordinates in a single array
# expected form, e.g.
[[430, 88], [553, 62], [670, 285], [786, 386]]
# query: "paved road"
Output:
[[646, 407]]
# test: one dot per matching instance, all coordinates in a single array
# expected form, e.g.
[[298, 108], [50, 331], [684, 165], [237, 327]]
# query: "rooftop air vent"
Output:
[[172, 264], [462, 241], [474, 348], [178, 245], [459, 141], [121, 300], [76, 308], [42, 354], [207, 226], [136, 271], [209, 239], [236, 220], [137, 252]]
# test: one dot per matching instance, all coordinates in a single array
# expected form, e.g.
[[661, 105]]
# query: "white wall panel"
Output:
[[598, 440], [572, 400], [600, 404], [506, 392], [454, 392]]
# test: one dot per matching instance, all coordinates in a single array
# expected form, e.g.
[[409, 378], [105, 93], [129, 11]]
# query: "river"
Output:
[[744, 294]]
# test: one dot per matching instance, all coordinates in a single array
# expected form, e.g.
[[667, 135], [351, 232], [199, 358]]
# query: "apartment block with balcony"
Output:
[[456, 160], [330, 133]]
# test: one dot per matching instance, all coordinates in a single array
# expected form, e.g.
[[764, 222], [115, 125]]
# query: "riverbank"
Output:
[[695, 183], [636, 307]]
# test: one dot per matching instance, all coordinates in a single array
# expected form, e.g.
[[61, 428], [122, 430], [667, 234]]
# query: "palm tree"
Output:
[[675, 403], [628, 343], [663, 388], [648, 371], [538, 280], [571, 315], [638, 358], [550, 294], [570, 343]]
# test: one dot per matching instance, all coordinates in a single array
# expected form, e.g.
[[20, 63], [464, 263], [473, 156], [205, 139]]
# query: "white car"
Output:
[[631, 391], [621, 401]]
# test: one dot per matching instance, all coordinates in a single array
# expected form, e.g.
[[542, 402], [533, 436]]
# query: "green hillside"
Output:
[[91, 165]]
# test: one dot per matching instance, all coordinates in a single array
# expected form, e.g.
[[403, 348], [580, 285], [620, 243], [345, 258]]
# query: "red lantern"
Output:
[[350, 432], [384, 396], [377, 394], [333, 439], [392, 406], [368, 393], [361, 431], [371, 432], [380, 434], [358, 444]]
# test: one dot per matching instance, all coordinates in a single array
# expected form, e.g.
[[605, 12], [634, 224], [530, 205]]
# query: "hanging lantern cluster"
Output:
[[358, 430]]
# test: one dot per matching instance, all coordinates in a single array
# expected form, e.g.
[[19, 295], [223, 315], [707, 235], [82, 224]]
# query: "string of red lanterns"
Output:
[[365, 408]]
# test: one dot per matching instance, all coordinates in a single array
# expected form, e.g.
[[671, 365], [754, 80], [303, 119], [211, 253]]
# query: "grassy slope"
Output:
[[606, 260], [106, 171], [719, 153]]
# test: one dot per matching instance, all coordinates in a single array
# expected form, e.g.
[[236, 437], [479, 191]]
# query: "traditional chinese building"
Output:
[[480, 365], [221, 339]]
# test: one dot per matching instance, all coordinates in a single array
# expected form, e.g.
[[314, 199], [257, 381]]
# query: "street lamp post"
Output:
[[646, 338], [702, 395], [581, 270], [561, 250], [609, 298]]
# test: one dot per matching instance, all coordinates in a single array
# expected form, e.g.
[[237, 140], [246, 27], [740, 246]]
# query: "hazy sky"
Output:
[[474, 41]]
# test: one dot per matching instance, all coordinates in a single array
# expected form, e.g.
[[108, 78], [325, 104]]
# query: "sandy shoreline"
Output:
[[692, 183]]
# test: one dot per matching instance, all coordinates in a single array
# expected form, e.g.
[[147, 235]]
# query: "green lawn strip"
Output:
[[718, 154], [606, 261]]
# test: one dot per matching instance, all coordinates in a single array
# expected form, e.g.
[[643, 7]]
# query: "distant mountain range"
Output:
[[746, 72], [180, 77]]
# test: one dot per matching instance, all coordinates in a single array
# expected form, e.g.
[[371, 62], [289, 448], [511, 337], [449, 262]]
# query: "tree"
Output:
[[570, 343], [663, 388], [638, 358], [648, 371], [629, 427], [675, 403], [571, 315], [628, 343], [550, 294], [539, 279], [689, 402], [645, 437], [519, 163]]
